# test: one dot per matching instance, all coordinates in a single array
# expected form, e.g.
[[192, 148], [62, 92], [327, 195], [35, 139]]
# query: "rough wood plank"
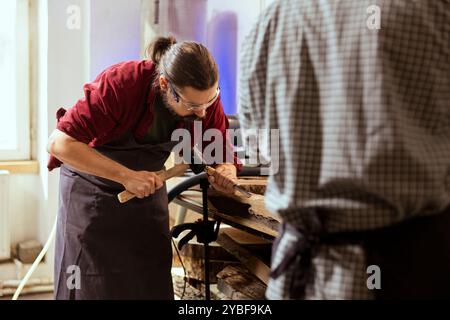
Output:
[[254, 205], [255, 265], [28, 251], [196, 250], [233, 217], [251, 211], [195, 268], [247, 223], [238, 283], [244, 238], [253, 185], [183, 290]]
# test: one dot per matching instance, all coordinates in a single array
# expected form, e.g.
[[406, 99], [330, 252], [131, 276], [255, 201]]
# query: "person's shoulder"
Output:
[[128, 72], [132, 68], [265, 22], [272, 11]]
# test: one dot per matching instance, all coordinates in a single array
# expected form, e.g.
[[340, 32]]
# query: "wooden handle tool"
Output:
[[164, 175], [210, 171]]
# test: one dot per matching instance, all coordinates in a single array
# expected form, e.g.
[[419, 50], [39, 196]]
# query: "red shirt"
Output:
[[119, 99]]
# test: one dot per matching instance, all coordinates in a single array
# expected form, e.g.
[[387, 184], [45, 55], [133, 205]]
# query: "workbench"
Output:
[[248, 279], [233, 209]]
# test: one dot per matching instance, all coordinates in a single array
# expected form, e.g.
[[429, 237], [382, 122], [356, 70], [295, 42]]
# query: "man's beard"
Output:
[[165, 102]]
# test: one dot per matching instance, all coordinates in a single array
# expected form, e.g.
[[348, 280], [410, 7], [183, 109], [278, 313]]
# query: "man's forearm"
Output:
[[85, 159]]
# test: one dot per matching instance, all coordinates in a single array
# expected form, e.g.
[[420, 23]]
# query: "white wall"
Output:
[[62, 60], [221, 25], [228, 23], [246, 12], [59, 67], [24, 202], [27, 190], [26, 194], [115, 33], [66, 67]]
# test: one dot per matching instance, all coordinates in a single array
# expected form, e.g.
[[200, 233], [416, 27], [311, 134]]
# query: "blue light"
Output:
[[222, 41]]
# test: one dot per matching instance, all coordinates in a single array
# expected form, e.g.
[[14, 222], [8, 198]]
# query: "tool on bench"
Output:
[[179, 170], [210, 171]]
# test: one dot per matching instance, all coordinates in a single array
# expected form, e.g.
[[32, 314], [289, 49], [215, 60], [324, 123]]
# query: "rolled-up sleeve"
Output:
[[111, 104], [98, 112]]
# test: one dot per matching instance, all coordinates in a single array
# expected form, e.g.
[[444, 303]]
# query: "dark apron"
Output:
[[413, 256], [123, 251]]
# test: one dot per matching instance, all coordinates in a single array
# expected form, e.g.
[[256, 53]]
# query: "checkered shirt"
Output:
[[364, 122]]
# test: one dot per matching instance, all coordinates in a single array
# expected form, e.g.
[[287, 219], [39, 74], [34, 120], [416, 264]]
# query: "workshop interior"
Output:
[[216, 245]]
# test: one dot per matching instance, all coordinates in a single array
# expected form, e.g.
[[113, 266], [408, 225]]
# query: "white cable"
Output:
[[35, 263]]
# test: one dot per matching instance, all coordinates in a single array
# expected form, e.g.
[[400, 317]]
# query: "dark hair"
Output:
[[184, 64]]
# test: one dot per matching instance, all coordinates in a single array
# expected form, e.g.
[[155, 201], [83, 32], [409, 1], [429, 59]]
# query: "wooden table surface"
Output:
[[248, 215]]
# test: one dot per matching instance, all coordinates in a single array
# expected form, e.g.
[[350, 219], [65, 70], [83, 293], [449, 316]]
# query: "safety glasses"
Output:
[[193, 106]]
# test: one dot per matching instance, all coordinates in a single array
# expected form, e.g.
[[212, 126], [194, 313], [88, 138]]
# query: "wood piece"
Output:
[[247, 222], [257, 267], [187, 291], [196, 250], [237, 218], [253, 185], [27, 290], [216, 294], [28, 251], [184, 290], [257, 245], [244, 238], [238, 283], [251, 212], [195, 268], [238, 189], [256, 205], [192, 256]]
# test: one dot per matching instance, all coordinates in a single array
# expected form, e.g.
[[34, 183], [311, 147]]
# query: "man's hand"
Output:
[[142, 183], [224, 178]]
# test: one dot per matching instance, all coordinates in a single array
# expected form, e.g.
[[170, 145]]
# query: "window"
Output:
[[14, 81]]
